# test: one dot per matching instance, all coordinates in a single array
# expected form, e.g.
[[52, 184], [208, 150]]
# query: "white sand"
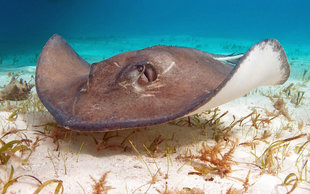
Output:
[[58, 155]]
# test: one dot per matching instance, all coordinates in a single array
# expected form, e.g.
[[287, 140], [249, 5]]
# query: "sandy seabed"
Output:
[[258, 143]]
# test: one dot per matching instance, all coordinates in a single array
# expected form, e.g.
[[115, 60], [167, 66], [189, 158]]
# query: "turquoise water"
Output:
[[99, 29], [37, 20]]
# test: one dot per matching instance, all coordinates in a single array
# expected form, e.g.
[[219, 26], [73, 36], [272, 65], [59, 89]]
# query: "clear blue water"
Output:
[[26, 25]]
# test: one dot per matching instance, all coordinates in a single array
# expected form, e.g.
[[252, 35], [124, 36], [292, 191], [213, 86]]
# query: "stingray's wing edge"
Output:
[[59, 71]]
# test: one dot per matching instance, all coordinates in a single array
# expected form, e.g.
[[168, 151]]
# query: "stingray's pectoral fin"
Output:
[[60, 71], [265, 63]]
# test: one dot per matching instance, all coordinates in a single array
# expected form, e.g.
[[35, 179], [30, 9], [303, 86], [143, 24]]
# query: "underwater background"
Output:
[[261, 140], [25, 26]]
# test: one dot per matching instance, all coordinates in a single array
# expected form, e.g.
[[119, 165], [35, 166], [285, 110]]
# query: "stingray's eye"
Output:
[[140, 68]]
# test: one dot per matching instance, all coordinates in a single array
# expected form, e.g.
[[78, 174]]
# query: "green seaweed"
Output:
[[12, 180], [8, 149], [153, 176], [59, 187], [300, 95], [267, 160], [304, 75]]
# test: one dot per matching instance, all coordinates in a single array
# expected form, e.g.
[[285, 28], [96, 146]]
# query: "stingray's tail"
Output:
[[233, 58]]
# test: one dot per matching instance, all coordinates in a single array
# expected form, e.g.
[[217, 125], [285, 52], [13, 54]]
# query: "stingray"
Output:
[[149, 86]]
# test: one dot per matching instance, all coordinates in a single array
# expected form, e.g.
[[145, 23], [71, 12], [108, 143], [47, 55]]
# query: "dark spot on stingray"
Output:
[[149, 86]]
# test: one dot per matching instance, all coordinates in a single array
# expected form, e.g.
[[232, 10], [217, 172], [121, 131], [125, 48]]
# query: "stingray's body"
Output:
[[149, 86]]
